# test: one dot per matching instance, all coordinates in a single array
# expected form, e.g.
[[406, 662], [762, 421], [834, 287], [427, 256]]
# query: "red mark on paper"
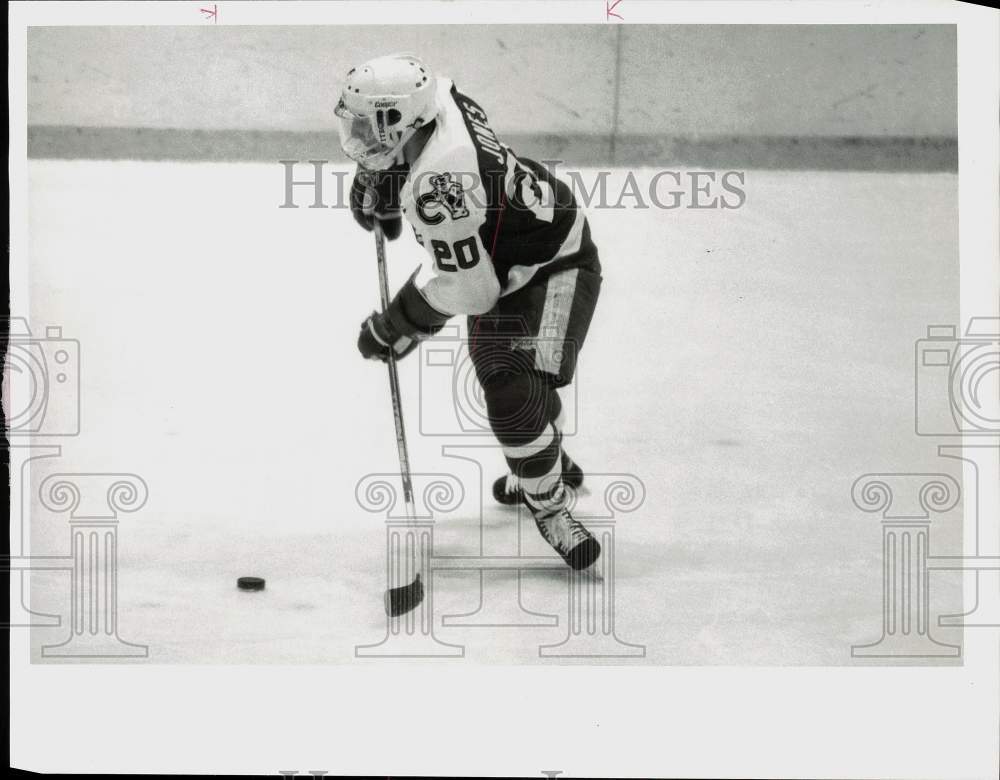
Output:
[[493, 249], [211, 13], [609, 9]]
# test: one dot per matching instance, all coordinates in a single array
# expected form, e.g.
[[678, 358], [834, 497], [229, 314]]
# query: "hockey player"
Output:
[[507, 246]]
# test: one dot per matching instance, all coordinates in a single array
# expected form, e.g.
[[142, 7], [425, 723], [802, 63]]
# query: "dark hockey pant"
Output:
[[523, 350]]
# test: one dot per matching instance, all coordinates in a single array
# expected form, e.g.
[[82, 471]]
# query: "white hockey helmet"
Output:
[[384, 101]]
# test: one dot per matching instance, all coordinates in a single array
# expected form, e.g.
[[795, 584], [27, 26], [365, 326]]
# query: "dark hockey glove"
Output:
[[378, 335], [375, 195], [409, 319]]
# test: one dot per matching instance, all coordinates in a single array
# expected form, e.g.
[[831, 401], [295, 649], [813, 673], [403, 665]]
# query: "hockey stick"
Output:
[[401, 599]]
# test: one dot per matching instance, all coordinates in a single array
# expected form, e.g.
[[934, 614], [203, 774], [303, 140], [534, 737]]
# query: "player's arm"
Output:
[[457, 277], [408, 320]]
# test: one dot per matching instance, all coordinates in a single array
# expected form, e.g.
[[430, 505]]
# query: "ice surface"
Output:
[[744, 365]]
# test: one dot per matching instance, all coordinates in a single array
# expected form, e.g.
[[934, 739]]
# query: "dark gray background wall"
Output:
[[631, 92]]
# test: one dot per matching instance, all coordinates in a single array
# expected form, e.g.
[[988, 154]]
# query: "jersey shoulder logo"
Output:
[[445, 193]]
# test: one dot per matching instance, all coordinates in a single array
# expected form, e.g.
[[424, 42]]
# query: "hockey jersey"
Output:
[[489, 220]]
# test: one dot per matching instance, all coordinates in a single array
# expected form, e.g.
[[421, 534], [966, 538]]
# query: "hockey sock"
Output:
[[523, 409], [538, 466]]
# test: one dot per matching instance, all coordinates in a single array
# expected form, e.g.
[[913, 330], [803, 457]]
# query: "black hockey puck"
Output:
[[250, 583]]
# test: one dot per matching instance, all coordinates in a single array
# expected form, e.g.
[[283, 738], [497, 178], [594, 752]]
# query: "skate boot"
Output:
[[507, 490], [568, 537]]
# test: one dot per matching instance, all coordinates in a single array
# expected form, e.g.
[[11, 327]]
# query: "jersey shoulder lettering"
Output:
[[473, 204], [531, 214]]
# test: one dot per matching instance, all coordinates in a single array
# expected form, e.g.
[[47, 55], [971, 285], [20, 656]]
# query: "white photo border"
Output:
[[418, 718]]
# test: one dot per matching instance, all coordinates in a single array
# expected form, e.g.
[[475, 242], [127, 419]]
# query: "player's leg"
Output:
[[545, 324], [508, 489], [524, 351], [523, 407]]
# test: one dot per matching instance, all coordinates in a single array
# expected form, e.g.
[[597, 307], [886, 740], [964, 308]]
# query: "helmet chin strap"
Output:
[[415, 143]]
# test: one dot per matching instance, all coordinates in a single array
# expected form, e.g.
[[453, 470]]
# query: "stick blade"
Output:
[[399, 601]]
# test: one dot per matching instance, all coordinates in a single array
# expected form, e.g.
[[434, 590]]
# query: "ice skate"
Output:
[[568, 537]]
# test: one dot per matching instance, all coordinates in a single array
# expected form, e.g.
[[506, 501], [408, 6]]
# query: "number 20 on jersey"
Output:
[[461, 255]]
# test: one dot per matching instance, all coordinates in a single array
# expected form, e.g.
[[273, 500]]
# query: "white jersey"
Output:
[[488, 220]]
